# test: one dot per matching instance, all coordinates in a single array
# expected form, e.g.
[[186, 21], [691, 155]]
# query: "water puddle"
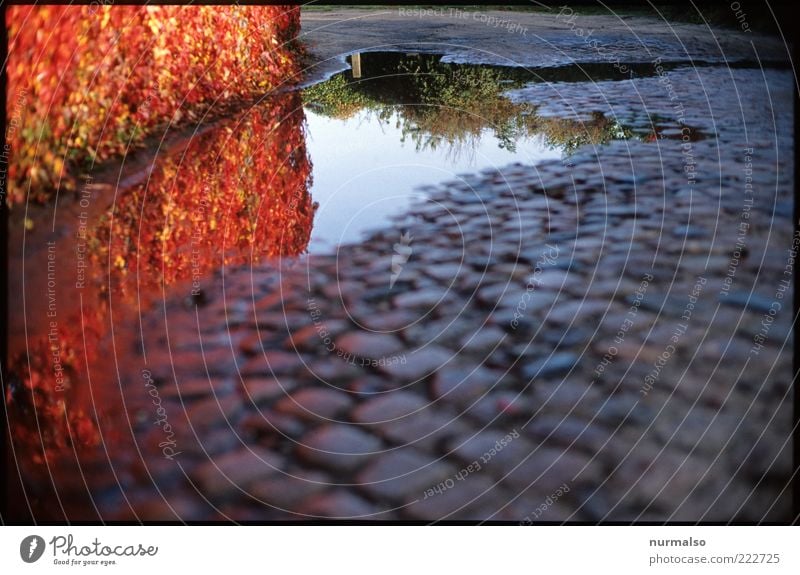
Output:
[[395, 121]]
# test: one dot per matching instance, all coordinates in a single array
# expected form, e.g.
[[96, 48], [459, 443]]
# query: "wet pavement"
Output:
[[601, 335]]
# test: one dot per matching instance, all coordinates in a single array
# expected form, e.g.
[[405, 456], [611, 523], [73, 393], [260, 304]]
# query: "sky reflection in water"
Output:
[[364, 172]]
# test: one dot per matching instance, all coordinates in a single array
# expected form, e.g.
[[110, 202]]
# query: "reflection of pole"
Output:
[[355, 63]]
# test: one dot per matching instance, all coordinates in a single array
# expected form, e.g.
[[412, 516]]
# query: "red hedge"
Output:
[[86, 82]]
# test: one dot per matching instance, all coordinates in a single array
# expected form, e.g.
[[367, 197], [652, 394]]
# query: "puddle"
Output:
[[395, 121]]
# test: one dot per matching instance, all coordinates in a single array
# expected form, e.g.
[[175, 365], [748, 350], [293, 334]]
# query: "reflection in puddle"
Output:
[[362, 179], [397, 121]]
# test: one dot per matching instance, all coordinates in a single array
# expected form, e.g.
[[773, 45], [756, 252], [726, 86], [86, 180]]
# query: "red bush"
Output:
[[86, 82]]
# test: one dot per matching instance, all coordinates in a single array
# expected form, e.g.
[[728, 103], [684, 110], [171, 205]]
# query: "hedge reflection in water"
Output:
[[236, 194]]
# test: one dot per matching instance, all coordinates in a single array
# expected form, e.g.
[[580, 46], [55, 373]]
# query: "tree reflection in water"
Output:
[[446, 105]]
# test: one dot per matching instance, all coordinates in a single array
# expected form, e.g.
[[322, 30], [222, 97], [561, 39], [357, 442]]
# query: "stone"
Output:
[[338, 504], [418, 364], [271, 423], [219, 361], [290, 489], [576, 311], [571, 395], [623, 410], [214, 411], [661, 476], [501, 295], [661, 303], [193, 388], [369, 345], [261, 390], [554, 279], [547, 469], [485, 340], [565, 337], [505, 448], [335, 370], [208, 443], [555, 364], [279, 323], [750, 301], [462, 385], [424, 298], [444, 332], [234, 472], [312, 338], [475, 498], [401, 474], [314, 403], [445, 272], [570, 432], [385, 321], [367, 386], [273, 363], [176, 508], [388, 407], [424, 430], [690, 232], [254, 428], [339, 447]]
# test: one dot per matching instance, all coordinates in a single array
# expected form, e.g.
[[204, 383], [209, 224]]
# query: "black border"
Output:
[[786, 12]]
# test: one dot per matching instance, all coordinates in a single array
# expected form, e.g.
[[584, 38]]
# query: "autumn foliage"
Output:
[[238, 193], [85, 83]]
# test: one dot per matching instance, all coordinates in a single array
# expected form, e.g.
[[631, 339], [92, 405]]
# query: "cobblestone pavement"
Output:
[[606, 337]]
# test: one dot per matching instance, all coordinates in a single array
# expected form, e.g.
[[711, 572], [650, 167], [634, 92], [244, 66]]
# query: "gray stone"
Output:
[[214, 411], [554, 365], [419, 364], [311, 338], [485, 340], [339, 504], [272, 363], [570, 432], [424, 298], [742, 299], [231, 473], [385, 321], [475, 498], [389, 406], [288, 490], [445, 272], [401, 474], [462, 385], [547, 469], [369, 345], [339, 447], [264, 389], [314, 403]]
